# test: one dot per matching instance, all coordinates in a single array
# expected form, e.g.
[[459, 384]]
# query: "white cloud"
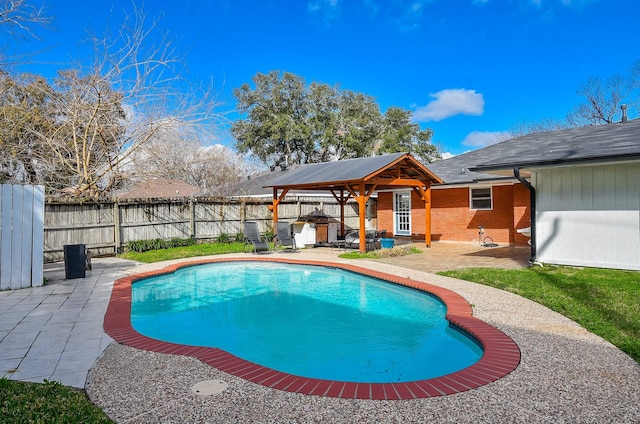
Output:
[[450, 102], [485, 138]]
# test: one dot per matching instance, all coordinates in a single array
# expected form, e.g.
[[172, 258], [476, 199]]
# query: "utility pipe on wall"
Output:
[[532, 201]]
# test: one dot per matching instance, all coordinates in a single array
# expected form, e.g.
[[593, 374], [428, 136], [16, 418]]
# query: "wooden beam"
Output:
[[425, 194], [342, 201], [274, 206], [404, 182], [362, 211]]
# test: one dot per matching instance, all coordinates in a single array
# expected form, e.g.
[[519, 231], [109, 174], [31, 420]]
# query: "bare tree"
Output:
[[214, 168], [544, 125], [18, 17], [603, 98], [131, 94]]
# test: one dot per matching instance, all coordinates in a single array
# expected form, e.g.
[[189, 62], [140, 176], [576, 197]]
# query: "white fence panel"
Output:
[[37, 253], [5, 237], [22, 235]]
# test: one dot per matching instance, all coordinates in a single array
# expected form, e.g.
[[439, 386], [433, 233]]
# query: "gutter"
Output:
[[532, 199]]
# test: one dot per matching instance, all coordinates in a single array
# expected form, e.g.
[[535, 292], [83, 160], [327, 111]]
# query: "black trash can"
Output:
[[75, 261]]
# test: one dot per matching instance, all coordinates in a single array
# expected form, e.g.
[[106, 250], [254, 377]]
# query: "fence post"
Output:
[[192, 218], [116, 227]]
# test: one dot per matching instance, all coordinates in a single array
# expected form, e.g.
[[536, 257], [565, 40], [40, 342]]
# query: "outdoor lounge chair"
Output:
[[252, 237], [283, 236], [352, 240]]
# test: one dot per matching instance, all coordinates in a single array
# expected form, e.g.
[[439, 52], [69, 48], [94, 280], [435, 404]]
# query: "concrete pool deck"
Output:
[[566, 374]]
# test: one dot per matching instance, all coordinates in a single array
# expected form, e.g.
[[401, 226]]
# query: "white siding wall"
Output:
[[589, 216]]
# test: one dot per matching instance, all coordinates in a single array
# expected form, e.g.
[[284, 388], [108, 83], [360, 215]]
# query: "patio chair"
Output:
[[283, 236], [352, 240], [252, 237]]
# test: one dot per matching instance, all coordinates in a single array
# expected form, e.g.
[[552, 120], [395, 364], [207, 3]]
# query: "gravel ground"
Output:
[[566, 375]]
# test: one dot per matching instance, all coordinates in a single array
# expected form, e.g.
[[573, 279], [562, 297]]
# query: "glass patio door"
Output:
[[402, 213]]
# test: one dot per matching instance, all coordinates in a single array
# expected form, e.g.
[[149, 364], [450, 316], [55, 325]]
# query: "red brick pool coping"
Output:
[[501, 354]]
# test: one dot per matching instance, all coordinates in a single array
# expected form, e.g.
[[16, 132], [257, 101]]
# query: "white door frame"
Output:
[[402, 213]]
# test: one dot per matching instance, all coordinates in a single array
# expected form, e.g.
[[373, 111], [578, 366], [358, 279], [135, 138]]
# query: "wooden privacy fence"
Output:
[[106, 226], [21, 236]]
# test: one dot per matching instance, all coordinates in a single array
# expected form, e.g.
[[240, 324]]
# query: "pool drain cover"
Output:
[[209, 387]]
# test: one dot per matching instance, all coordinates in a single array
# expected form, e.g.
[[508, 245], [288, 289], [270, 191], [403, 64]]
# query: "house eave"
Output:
[[507, 168]]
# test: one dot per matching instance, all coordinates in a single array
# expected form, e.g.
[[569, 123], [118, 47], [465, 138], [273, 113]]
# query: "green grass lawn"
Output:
[[203, 249], [46, 403], [605, 302]]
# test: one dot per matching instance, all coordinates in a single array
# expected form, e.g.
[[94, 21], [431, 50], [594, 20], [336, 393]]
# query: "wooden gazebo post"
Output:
[[274, 206], [425, 195], [362, 212]]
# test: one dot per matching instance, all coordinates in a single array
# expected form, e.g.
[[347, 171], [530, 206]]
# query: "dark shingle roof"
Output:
[[342, 170], [609, 142], [258, 184], [455, 170], [305, 177], [595, 143]]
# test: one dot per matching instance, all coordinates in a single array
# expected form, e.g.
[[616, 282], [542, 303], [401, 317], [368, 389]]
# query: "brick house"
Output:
[[464, 202]]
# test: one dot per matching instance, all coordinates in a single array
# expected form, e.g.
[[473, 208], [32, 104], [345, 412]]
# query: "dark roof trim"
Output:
[[556, 162]]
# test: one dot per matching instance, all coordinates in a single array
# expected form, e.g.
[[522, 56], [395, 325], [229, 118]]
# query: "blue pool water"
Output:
[[309, 321]]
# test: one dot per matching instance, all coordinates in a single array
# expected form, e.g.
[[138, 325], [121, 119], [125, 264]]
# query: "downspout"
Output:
[[532, 200]]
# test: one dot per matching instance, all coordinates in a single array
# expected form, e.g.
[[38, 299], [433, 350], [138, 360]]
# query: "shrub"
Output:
[[157, 244], [224, 238], [239, 237]]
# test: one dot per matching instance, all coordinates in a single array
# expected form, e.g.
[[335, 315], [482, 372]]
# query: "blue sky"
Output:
[[468, 69]]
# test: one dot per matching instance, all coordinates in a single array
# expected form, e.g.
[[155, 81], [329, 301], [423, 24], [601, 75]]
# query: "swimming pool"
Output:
[[501, 354], [310, 321]]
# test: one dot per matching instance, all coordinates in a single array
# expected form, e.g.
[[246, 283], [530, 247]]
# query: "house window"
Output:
[[481, 198]]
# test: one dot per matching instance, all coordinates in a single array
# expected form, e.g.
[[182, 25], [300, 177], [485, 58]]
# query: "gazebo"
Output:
[[359, 179]]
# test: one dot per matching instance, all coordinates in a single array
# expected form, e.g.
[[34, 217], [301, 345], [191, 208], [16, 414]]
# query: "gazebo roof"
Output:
[[385, 171]]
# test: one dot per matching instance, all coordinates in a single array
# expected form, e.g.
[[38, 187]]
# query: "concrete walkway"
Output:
[[54, 332]]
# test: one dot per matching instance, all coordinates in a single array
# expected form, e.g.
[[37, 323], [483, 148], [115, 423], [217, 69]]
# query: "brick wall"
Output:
[[452, 220], [385, 212]]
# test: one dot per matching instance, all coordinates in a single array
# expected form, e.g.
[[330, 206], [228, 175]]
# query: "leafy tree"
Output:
[[402, 135], [345, 123], [277, 129], [288, 122], [359, 126]]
